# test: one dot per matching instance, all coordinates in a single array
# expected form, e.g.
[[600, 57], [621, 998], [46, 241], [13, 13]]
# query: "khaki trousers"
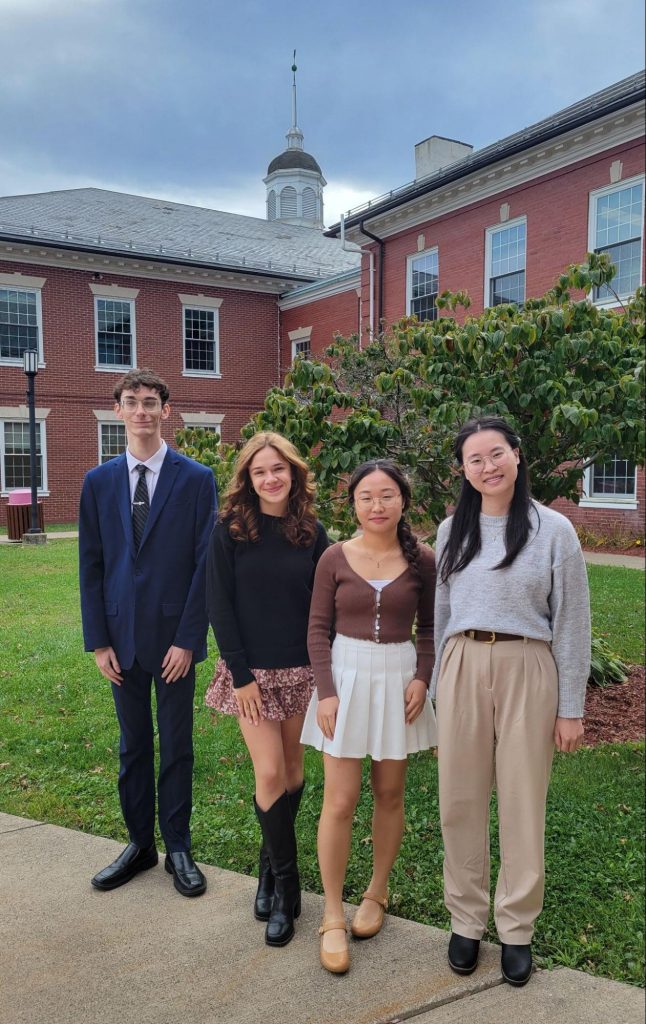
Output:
[[496, 708]]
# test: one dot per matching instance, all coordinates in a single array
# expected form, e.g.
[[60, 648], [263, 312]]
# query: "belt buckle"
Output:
[[493, 637]]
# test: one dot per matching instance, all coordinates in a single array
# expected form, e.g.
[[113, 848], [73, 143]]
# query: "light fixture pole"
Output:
[[30, 359]]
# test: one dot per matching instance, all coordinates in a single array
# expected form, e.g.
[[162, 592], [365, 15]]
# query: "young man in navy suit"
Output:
[[144, 525]]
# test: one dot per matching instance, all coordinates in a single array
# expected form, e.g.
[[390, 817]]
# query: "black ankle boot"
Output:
[[265, 891], [463, 954], [277, 826], [516, 964]]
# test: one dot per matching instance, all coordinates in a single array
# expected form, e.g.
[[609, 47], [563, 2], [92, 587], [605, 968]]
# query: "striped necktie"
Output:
[[140, 506]]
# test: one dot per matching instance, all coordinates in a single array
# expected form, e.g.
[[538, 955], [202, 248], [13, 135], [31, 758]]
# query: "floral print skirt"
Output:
[[285, 692]]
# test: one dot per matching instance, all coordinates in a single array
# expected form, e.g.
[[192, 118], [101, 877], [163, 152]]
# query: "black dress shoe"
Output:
[[187, 877], [516, 964], [463, 954], [128, 864]]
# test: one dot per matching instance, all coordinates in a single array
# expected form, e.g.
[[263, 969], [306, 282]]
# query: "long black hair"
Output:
[[405, 536], [464, 539]]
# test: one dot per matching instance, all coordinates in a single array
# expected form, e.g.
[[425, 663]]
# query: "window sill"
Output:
[[19, 363], [41, 494], [207, 374], [621, 504], [114, 369]]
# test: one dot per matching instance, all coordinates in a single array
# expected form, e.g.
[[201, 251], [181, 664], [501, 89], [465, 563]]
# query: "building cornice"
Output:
[[324, 290], [43, 254], [580, 144]]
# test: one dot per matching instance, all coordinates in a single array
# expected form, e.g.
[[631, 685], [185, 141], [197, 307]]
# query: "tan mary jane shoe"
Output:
[[367, 922], [336, 963]]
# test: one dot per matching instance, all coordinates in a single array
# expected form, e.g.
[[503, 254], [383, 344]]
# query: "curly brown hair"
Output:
[[240, 507]]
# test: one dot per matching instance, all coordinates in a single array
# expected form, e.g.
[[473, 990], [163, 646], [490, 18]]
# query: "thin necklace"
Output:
[[382, 558]]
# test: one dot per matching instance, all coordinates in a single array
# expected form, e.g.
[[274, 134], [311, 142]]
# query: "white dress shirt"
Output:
[[153, 467]]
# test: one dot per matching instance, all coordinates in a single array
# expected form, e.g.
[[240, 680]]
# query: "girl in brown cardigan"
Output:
[[372, 688]]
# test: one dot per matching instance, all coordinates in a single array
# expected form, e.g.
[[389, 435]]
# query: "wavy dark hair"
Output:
[[241, 507], [464, 539], [405, 536]]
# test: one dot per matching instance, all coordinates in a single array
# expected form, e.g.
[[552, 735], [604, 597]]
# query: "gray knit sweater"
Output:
[[543, 594]]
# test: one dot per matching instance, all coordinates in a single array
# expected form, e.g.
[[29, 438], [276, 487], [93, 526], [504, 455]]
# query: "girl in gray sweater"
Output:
[[512, 637]]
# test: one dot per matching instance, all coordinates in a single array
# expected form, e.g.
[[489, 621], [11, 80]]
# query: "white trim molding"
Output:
[[106, 416], [21, 281], [200, 301], [202, 419], [305, 294], [21, 412], [113, 291]]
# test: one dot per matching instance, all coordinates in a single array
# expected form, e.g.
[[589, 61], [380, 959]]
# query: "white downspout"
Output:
[[371, 280]]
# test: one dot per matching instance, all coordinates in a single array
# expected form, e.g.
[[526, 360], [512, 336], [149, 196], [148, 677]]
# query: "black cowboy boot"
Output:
[[265, 892], [277, 826]]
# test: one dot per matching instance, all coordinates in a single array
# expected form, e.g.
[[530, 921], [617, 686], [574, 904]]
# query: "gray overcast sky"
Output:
[[190, 99]]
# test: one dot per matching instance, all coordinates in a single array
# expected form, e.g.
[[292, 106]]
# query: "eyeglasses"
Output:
[[478, 462], [386, 500], [147, 404]]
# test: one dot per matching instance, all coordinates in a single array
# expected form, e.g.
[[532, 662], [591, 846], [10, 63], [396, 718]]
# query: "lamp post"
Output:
[[30, 360]]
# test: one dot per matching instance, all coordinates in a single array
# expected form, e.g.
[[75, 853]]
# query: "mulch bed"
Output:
[[615, 713]]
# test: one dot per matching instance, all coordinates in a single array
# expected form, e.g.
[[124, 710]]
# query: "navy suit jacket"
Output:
[[142, 602]]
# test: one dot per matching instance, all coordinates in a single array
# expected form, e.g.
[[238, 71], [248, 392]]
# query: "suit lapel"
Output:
[[165, 484], [122, 493]]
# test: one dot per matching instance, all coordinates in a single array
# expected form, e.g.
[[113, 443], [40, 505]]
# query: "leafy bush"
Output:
[[606, 667]]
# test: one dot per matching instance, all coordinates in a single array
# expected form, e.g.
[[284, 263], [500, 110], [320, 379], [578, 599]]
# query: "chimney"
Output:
[[434, 153]]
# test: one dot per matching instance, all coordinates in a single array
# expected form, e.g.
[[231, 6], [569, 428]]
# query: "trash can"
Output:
[[19, 513]]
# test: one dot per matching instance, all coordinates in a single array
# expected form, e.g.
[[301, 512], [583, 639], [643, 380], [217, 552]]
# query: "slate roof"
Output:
[[622, 94], [97, 220]]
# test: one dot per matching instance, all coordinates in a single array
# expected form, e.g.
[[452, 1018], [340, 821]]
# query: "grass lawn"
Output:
[[58, 763]]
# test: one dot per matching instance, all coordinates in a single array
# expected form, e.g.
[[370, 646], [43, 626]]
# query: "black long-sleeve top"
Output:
[[258, 597]]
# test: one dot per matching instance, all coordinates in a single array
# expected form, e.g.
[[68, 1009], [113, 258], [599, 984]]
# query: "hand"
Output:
[[415, 699], [568, 734], [107, 664], [249, 701], [176, 664], [326, 716]]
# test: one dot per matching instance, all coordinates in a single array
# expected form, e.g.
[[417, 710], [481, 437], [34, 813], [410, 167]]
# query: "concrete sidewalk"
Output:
[[143, 954]]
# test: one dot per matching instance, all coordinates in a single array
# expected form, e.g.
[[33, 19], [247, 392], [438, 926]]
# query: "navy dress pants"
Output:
[[133, 702]]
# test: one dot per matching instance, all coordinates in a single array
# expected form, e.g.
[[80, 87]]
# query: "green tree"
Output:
[[567, 374]]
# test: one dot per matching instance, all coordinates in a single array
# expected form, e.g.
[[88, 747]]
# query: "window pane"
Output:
[[302, 348], [113, 440], [424, 286], [619, 216], [615, 477], [508, 250], [510, 288], [199, 339], [114, 332], [18, 323], [17, 467], [626, 258]]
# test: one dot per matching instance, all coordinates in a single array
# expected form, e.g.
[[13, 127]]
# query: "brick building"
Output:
[[100, 282]]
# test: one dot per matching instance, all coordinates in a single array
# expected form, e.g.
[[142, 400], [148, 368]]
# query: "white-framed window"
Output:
[[616, 227], [422, 284], [21, 318], [115, 333], [200, 335], [112, 440], [203, 421], [505, 257], [611, 484], [301, 342], [15, 470]]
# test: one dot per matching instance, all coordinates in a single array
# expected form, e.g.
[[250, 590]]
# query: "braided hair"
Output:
[[405, 536]]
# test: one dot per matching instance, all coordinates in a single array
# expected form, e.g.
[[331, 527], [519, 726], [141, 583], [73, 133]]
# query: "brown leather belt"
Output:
[[488, 636]]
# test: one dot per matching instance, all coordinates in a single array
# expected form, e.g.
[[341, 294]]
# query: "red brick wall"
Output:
[[338, 313], [71, 387], [556, 207], [608, 521]]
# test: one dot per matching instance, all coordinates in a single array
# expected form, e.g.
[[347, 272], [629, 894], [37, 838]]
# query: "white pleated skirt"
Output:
[[370, 681]]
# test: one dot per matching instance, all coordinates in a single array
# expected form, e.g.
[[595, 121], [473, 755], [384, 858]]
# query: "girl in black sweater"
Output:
[[260, 571]]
